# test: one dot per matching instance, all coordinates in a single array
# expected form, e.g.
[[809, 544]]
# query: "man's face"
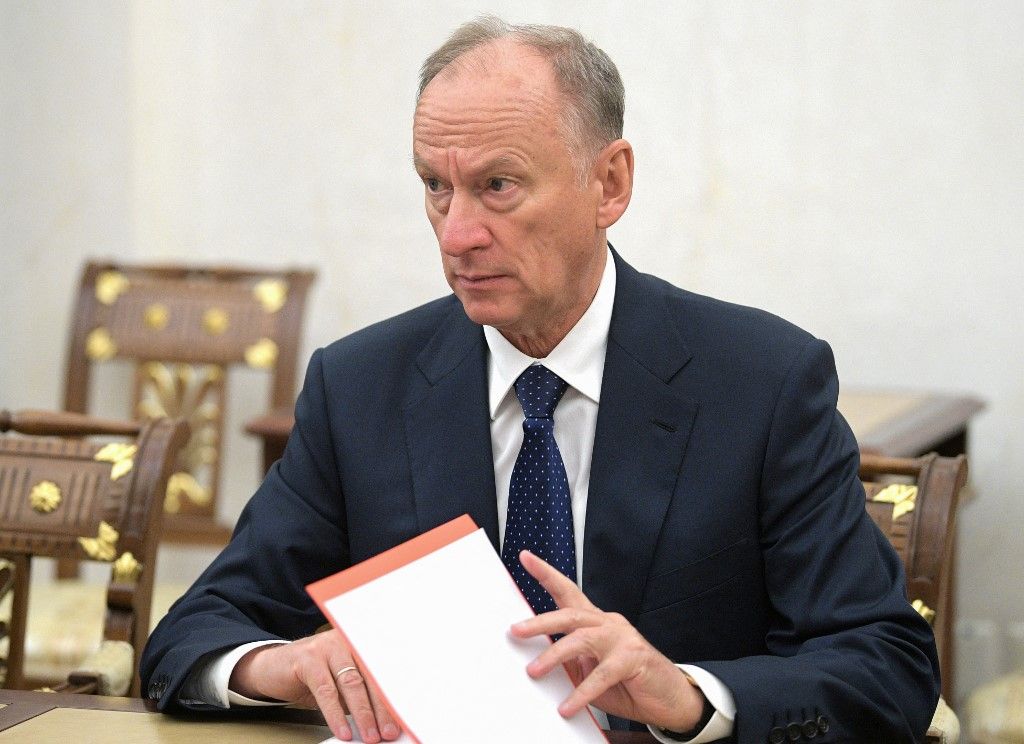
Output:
[[518, 235]]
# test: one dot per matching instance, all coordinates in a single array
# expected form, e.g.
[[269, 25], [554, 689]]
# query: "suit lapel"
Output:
[[643, 426], [448, 429]]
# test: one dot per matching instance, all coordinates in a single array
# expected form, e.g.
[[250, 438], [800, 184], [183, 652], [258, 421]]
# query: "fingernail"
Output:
[[372, 733], [390, 730]]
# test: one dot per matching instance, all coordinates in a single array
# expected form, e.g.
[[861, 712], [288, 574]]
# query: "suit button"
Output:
[[794, 732], [823, 725], [777, 735], [810, 729]]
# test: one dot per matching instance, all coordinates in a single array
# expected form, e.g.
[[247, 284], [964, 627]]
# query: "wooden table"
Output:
[[907, 423], [92, 719]]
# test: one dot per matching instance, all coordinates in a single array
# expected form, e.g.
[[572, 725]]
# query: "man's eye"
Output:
[[432, 184], [498, 184]]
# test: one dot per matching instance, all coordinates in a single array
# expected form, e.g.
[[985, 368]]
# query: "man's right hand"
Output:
[[306, 672]]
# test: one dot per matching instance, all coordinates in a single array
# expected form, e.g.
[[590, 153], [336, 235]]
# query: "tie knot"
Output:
[[539, 390]]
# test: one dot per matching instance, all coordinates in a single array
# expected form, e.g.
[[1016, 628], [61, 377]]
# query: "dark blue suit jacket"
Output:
[[725, 518]]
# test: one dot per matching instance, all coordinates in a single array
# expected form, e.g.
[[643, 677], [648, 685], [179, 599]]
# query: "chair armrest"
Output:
[[277, 422], [273, 428]]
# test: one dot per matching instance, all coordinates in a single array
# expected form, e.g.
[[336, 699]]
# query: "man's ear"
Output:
[[614, 171]]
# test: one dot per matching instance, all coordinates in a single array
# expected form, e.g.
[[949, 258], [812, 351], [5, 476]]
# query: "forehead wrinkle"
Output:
[[481, 119], [510, 131], [498, 136]]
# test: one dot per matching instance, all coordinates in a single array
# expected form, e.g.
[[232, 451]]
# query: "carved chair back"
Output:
[[182, 327], [914, 502], [65, 496]]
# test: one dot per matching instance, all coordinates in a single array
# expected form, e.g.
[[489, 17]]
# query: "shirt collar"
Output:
[[578, 359]]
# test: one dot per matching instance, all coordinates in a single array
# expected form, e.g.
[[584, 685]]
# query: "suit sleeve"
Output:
[[291, 532], [847, 654]]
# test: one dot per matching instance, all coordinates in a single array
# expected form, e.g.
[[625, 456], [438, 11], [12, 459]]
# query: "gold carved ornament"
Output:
[[262, 354], [126, 569], [215, 321], [191, 393], [924, 610], [184, 484], [100, 345], [45, 496], [110, 285], [156, 316], [902, 497], [271, 294], [121, 456], [103, 547]]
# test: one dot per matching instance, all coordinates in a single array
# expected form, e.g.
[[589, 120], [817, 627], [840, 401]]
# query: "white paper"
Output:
[[434, 635]]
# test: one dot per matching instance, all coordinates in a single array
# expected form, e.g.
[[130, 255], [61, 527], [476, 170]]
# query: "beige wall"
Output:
[[855, 167]]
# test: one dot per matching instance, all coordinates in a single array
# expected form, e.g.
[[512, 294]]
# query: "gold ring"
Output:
[[343, 670]]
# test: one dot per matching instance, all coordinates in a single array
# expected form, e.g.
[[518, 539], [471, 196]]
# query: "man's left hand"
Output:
[[612, 666]]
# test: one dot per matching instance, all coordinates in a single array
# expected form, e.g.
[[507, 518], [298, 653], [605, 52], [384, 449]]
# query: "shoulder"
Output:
[[396, 340], [727, 351], [381, 366], [707, 323]]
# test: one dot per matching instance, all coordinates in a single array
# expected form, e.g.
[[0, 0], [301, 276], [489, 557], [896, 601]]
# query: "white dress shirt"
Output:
[[579, 360]]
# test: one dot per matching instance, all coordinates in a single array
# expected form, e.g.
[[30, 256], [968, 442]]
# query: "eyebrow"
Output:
[[499, 161], [419, 164]]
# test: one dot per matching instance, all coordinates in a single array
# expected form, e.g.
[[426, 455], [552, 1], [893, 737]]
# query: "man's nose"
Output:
[[463, 228]]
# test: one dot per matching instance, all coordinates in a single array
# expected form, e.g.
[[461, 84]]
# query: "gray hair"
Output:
[[589, 80]]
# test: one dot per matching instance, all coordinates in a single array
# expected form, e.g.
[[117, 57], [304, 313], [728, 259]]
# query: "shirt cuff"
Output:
[[721, 723], [207, 683]]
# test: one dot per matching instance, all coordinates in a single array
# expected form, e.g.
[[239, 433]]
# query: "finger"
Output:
[[586, 643], [353, 689], [557, 621], [606, 674], [561, 588], [389, 728], [320, 683]]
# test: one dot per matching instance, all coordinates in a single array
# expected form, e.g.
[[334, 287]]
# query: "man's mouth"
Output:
[[475, 280]]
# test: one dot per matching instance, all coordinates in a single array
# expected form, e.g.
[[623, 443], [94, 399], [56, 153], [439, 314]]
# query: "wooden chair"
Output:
[[182, 327], [63, 496], [914, 502]]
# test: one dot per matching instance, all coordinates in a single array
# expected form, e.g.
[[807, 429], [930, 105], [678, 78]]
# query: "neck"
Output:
[[540, 341], [539, 345]]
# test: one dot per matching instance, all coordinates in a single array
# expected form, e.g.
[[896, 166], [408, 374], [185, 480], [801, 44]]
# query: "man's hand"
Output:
[[611, 664], [305, 672]]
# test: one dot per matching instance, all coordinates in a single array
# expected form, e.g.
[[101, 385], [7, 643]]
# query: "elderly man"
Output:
[[708, 569]]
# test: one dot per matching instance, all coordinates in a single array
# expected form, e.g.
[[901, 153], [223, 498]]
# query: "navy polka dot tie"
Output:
[[539, 510]]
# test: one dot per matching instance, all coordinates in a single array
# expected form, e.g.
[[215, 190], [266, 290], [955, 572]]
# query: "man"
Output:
[[701, 490]]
